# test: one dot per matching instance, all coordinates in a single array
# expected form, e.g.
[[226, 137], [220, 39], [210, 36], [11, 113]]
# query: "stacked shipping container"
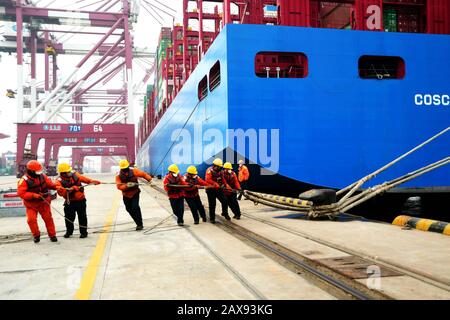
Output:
[[165, 40]]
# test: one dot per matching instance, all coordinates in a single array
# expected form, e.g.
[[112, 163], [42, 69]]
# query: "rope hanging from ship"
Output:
[[347, 201], [153, 173]]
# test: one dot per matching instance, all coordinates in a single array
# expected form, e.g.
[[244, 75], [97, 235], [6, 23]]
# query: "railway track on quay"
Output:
[[403, 270], [325, 278]]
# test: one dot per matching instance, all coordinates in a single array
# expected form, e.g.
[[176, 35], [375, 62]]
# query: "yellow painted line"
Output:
[[90, 273]]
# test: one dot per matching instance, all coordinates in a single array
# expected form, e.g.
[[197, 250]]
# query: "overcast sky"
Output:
[[146, 35]]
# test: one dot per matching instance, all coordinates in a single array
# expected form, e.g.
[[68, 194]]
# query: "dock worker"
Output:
[[68, 186], [127, 182], [231, 193], [174, 184], [34, 188], [214, 177], [243, 176], [191, 194]]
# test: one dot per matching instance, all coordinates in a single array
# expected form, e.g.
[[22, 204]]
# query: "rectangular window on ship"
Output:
[[203, 88], [281, 65], [214, 76], [381, 67]]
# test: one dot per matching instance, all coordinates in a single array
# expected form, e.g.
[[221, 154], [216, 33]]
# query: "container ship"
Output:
[[311, 94]]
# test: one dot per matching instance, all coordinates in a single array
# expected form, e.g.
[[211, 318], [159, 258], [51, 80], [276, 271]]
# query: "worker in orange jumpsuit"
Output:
[[69, 186], [230, 193], [243, 176], [172, 184], [127, 182], [191, 194], [34, 188], [214, 177]]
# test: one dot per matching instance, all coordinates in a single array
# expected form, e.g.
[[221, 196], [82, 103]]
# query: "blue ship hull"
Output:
[[327, 129]]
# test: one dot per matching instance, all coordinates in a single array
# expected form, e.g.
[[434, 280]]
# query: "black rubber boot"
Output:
[[37, 239], [83, 235], [139, 228], [53, 239], [196, 222], [67, 235]]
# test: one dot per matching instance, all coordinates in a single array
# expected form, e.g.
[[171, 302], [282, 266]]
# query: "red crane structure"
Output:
[[99, 90], [78, 154]]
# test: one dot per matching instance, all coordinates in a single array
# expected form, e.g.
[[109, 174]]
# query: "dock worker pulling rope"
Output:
[[68, 186], [230, 194], [192, 196], [127, 182], [214, 177], [34, 188], [174, 184]]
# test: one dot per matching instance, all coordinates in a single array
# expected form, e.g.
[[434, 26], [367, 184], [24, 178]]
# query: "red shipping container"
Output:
[[362, 16], [314, 13], [294, 13], [438, 16]]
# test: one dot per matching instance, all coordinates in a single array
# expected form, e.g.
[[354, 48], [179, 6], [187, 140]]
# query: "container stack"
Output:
[[390, 20], [404, 16], [165, 41]]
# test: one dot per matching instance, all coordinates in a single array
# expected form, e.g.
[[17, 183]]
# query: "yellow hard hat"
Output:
[[192, 170], [228, 165], [123, 164], [173, 168], [64, 167], [218, 162]]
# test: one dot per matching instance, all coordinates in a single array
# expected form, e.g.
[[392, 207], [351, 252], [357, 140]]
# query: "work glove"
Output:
[[131, 184], [96, 182], [37, 196]]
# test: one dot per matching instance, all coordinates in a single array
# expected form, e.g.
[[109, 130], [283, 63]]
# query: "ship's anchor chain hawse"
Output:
[[318, 203]]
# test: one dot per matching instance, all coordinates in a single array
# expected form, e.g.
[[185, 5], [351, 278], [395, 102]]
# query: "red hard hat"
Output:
[[34, 165]]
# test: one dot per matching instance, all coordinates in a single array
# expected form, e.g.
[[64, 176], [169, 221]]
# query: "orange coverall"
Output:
[[123, 187], [243, 174], [76, 195], [34, 203]]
